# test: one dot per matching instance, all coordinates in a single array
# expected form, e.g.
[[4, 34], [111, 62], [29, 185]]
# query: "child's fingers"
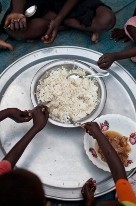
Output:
[[104, 66], [21, 25], [16, 24], [126, 39], [48, 33], [101, 58], [12, 26], [7, 22], [24, 22], [46, 40], [27, 114]]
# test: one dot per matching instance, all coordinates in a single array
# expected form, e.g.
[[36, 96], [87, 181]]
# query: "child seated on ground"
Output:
[[20, 187], [85, 15], [124, 190], [129, 32], [3, 44]]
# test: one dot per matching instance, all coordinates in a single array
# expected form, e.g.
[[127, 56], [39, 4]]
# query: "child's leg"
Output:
[[35, 29], [103, 20]]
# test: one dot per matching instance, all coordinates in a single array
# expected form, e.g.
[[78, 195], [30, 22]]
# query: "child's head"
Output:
[[21, 188]]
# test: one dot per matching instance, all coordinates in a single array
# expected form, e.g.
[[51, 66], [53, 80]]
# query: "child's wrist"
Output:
[[116, 56], [59, 18], [7, 113]]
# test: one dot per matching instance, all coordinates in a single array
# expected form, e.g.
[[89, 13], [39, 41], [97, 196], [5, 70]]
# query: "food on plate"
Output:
[[68, 97], [120, 144]]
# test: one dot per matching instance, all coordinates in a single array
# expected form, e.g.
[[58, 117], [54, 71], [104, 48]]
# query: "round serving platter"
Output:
[[57, 154]]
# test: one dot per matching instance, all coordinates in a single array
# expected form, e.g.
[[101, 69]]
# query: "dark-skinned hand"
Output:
[[119, 34], [106, 60], [92, 128], [15, 22], [52, 31], [88, 192], [40, 117], [19, 116]]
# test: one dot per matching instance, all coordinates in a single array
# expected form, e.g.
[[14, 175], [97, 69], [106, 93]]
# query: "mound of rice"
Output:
[[74, 98]]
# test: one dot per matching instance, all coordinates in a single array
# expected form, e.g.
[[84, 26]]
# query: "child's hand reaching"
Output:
[[15, 22], [88, 192], [119, 34], [106, 60], [19, 116], [52, 31], [40, 117], [92, 128]]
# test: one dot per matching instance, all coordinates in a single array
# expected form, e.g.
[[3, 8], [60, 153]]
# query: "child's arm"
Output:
[[15, 114], [123, 187], [54, 25], [88, 192], [18, 6], [111, 156], [106, 60], [66, 9], [40, 118]]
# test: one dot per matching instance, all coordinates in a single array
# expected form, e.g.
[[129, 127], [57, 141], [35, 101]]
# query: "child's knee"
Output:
[[109, 20], [106, 19]]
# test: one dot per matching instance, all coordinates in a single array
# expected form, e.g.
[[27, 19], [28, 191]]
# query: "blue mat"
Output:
[[123, 9]]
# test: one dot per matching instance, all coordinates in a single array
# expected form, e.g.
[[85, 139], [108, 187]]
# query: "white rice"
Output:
[[74, 98]]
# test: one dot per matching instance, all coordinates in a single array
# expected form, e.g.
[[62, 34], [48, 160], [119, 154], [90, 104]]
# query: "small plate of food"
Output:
[[121, 133], [69, 100]]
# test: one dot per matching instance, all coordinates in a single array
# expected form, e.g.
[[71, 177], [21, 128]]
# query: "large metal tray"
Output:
[[57, 154]]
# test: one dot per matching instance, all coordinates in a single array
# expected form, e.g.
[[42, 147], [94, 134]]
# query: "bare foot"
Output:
[[133, 59], [95, 37], [88, 192], [5, 45], [48, 203]]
